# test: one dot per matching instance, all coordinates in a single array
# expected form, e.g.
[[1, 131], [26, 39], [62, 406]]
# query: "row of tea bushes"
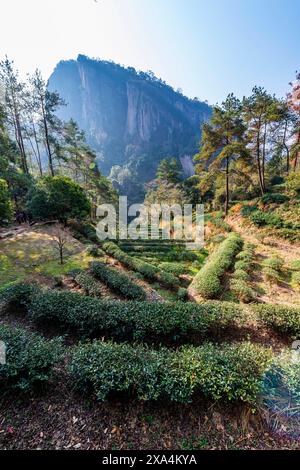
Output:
[[230, 371], [132, 320], [143, 320], [281, 318], [29, 358], [148, 270], [117, 281], [208, 281], [88, 283]]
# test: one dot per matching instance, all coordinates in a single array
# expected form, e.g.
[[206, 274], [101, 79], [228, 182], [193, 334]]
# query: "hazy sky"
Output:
[[206, 47]]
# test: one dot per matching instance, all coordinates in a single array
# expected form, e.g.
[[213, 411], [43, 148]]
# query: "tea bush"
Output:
[[29, 358], [207, 281], [174, 268], [274, 198], [118, 281], [93, 317], [281, 318], [242, 290], [88, 283], [18, 296], [232, 372], [146, 269]]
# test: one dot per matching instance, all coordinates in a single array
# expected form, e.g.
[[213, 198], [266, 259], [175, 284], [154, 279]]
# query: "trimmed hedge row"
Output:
[[131, 320], [239, 282], [146, 269], [118, 281], [281, 318], [208, 280], [29, 358], [232, 372]]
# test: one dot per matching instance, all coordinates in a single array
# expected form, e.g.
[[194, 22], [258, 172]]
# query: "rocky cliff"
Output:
[[132, 119]]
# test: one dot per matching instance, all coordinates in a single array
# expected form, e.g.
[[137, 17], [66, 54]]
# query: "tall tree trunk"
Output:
[[259, 163], [264, 156], [37, 150], [297, 152], [47, 141], [227, 186]]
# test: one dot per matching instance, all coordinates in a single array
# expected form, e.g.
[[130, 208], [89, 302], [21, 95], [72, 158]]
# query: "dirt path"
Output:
[[281, 293]]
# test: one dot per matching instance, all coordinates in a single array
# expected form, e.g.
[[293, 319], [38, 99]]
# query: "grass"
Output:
[[34, 252]]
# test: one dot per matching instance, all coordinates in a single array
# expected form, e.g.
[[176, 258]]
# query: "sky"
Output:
[[208, 48]]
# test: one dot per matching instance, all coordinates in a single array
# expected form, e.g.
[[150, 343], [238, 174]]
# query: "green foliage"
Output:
[[281, 385], [18, 296], [296, 279], [29, 358], [118, 281], [293, 183], [241, 274], [241, 289], [243, 264], [208, 280], [271, 274], [231, 372], [6, 208], [295, 265], [281, 318], [83, 231], [275, 262], [88, 283], [174, 268], [182, 293], [59, 198], [91, 317], [272, 268], [274, 198], [93, 250], [247, 210]]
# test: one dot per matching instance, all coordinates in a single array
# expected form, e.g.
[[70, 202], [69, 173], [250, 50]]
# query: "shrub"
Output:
[[232, 372], [241, 274], [274, 198], [88, 283], [296, 279], [246, 211], [244, 292], [92, 317], [146, 269], [295, 265], [258, 217], [58, 197], [118, 281], [18, 296], [29, 358], [281, 318], [275, 262], [207, 281], [182, 293], [243, 264], [6, 206], [173, 268], [93, 250], [271, 274]]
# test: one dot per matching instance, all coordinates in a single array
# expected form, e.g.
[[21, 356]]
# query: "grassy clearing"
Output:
[[34, 252]]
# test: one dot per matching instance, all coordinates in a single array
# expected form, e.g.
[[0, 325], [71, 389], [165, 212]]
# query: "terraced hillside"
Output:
[[142, 344]]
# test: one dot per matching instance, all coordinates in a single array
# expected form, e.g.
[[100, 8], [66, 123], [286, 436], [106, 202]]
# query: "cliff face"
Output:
[[131, 119]]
